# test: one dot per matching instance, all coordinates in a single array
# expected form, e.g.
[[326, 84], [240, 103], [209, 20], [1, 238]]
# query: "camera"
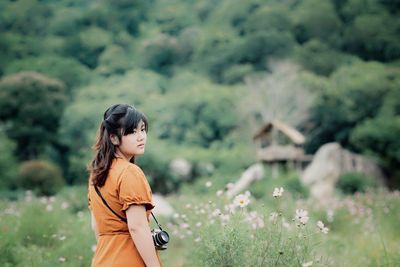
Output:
[[160, 238]]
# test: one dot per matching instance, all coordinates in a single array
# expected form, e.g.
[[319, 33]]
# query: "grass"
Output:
[[208, 231]]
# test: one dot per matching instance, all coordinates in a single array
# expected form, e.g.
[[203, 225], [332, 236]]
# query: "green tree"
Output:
[[374, 36], [319, 58], [68, 70], [356, 93], [317, 19], [31, 105]]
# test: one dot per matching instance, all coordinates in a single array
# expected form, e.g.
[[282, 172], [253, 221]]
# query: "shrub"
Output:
[[352, 182], [41, 176]]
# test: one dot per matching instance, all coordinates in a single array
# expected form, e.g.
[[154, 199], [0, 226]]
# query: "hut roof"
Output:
[[289, 131]]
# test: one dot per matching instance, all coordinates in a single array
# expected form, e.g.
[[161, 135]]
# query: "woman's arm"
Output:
[[140, 231], [94, 226]]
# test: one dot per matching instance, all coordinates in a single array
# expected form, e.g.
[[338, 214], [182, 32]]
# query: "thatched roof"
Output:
[[289, 131]]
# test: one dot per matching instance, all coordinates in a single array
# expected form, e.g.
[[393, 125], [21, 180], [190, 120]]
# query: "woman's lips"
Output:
[[141, 146]]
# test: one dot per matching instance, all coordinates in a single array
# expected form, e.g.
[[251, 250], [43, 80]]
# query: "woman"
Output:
[[122, 137]]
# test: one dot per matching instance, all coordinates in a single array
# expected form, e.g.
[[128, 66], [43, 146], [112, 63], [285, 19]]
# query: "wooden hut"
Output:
[[280, 145]]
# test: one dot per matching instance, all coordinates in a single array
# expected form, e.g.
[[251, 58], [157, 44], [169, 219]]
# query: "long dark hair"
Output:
[[119, 120]]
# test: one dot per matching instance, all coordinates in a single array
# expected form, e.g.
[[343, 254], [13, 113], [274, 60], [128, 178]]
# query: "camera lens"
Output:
[[162, 238]]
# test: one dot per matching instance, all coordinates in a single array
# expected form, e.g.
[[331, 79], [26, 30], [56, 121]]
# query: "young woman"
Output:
[[122, 136]]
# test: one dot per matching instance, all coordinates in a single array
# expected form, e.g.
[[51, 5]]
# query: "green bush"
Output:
[[352, 182], [41, 176]]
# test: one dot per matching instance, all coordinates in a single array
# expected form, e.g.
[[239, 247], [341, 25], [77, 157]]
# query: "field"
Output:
[[208, 229]]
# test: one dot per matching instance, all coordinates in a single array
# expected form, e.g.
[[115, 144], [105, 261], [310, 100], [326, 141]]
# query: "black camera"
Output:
[[160, 238]]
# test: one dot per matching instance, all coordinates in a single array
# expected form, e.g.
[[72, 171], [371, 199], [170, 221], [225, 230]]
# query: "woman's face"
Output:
[[134, 144]]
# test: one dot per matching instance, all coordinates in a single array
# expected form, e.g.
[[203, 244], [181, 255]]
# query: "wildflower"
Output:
[[273, 216], [62, 259], [188, 206], [197, 239], [230, 185], [242, 200], [198, 224], [230, 208], [307, 264], [322, 227], [219, 193], [225, 218], [302, 216], [49, 207], [277, 192], [184, 225], [62, 238], [216, 212], [64, 205], [176, 215], [208, 184]]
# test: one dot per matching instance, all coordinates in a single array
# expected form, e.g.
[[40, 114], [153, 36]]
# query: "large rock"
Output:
[[329, 163], [162, 207], [253, 173]]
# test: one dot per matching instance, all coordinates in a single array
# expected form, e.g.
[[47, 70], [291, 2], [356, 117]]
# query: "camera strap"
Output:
[[119, 216]]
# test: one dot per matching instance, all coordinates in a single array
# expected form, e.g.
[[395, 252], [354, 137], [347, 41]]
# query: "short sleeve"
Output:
[[134, 188]]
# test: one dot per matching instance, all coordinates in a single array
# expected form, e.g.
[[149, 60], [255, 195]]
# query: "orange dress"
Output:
[[126, 185]]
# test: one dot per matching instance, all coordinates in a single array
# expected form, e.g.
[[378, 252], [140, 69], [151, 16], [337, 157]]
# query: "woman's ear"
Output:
[[114, 139]]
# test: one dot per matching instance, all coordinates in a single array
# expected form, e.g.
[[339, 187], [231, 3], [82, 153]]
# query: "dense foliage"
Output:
[[184, 63]]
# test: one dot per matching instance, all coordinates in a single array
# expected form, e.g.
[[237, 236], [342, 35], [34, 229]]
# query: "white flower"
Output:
[[322, 227], [62, 259], [64, 205], [198, 224], [230, 208], [242, 200], [197, 239], [230, 185], [302, 216], [307, 264], [208, 184], [216, 212], [220, 193], [278, 192]]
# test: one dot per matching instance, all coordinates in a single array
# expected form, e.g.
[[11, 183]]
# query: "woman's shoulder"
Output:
[[128, 169]]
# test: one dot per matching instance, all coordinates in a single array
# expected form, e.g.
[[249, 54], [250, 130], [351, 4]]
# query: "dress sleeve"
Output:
[[134, 189]]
